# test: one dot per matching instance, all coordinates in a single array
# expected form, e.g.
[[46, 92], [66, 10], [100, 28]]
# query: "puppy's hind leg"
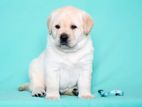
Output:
[[37, 84], [70, 91]]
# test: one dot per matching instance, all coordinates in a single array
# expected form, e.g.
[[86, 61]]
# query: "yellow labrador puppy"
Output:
[[67, 61]]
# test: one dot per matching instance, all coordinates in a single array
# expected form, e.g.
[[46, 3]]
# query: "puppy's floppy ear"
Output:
[[49, 25], [50, 20], [87, 23]]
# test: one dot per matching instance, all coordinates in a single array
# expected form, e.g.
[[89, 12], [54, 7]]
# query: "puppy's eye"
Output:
[[57, 26], [73, 26]]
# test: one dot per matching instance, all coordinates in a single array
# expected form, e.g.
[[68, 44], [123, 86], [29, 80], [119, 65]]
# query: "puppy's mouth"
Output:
[[64, 45]]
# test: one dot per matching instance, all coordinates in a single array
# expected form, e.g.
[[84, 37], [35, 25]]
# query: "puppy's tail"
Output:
[[24, 87]]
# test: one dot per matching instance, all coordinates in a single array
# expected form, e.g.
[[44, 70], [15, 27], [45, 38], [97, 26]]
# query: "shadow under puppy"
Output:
[[65, 66]]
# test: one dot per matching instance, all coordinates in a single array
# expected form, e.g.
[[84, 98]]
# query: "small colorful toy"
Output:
[[111, 93]]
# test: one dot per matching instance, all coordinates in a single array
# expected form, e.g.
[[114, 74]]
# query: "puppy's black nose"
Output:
[[64, 38]]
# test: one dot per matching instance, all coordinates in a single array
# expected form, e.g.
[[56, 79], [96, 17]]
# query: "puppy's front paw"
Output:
[[53, 96], [38, 92], [86, 96]]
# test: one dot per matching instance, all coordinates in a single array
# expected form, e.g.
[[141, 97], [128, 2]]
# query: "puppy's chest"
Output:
[[71, 59], [70, 69], [69, 75]]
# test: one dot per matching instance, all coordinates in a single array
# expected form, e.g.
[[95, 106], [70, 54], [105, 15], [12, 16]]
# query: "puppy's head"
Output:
[[68, 26]]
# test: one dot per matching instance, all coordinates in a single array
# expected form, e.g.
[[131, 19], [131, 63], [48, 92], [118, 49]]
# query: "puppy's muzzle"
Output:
[[64, 39]]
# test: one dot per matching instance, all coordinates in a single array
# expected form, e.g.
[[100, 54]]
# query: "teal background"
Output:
[[117, 38]]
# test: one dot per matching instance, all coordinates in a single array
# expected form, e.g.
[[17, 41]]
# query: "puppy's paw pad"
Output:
[[38, 92], [75, 91]]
